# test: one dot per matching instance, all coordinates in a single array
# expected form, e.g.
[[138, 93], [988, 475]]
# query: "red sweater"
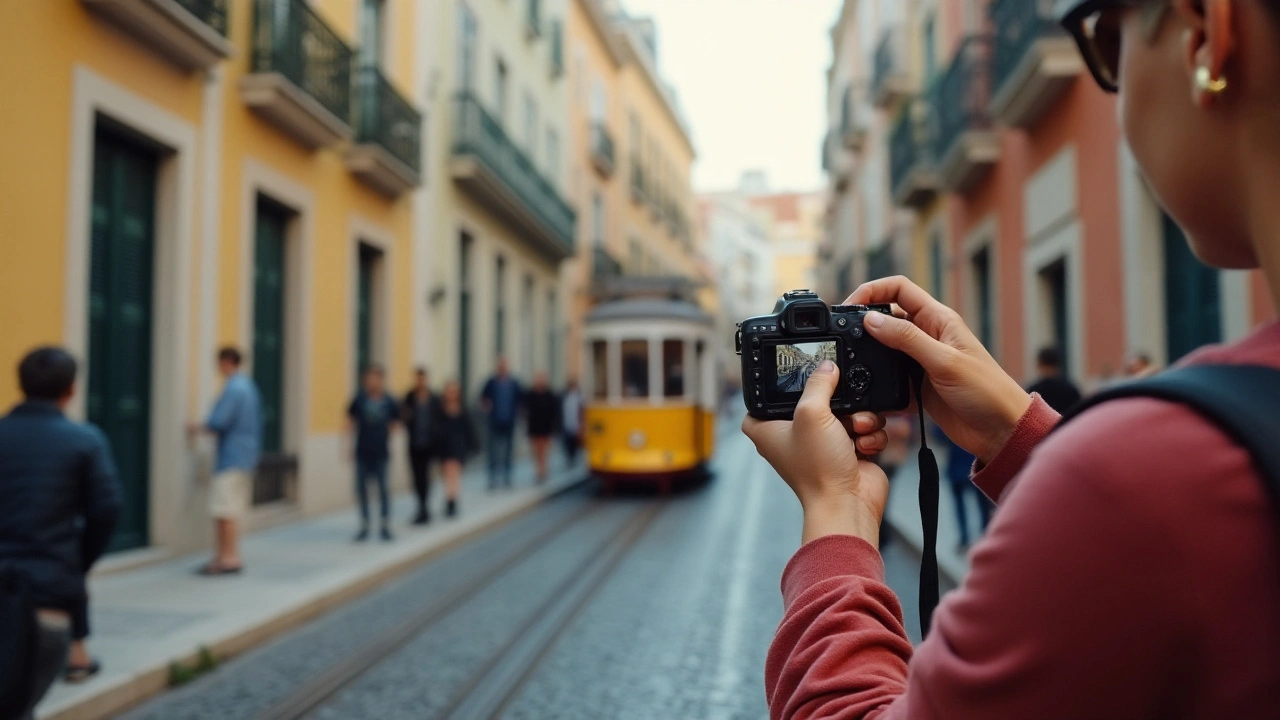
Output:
[[1132, 570]]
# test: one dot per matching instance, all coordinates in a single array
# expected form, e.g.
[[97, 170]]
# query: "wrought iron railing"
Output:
[[291, 39], [909, 145], [385, 118], [604, 264], [1018, 25], [479, 134], [602, 143], [210, 12], [962, 96]]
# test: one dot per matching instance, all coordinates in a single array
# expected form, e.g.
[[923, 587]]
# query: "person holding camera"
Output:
[[1132, 569]]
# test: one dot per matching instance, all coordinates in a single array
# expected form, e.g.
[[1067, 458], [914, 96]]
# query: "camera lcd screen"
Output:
[[796, 362]]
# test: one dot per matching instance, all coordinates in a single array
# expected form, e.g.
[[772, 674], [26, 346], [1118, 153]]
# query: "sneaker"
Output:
[[362, 535], [386, 534], [451, 509]]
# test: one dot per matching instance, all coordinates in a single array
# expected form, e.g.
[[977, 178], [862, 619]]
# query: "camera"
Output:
[[780, 351]]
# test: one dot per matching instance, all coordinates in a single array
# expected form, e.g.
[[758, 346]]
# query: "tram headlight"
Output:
[[637, 439]]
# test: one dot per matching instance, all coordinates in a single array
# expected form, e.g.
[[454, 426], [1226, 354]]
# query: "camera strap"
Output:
[[928, 497]]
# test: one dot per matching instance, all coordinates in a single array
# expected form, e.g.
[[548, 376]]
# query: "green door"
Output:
[[1193, 314], [364, 309], [122, 245], [268, 319]]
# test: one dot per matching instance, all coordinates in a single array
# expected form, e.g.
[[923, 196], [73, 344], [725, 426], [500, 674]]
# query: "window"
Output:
[[930, 50], [500, 307], [467, 63], [599, 100], [553, 156], [981, 269], [500, 91], [368, 308], [527, 300], [1053, 299], [531, 126], [597, 219], [635, 368], [371, 32], [599, 369], [673, 368], [635, 134]]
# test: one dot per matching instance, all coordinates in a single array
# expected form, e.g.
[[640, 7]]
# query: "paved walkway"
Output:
[[904, 515], [145, 619]]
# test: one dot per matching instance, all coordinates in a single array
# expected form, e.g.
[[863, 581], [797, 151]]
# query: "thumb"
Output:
[[819, 389], [904, 335]]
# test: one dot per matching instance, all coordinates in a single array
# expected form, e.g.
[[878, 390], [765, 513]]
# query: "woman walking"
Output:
[[454, 441], [543, 409], [417, 412]]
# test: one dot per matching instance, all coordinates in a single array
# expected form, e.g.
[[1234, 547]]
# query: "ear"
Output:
[[1209, 41]]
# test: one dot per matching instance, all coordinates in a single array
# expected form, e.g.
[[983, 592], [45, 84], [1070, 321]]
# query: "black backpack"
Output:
[[19, 630], [1242, 400]]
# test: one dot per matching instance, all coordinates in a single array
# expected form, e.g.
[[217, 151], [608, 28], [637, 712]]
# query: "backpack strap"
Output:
[[1242, 400]]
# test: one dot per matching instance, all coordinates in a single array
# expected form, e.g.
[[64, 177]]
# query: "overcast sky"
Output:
[[751, 79]]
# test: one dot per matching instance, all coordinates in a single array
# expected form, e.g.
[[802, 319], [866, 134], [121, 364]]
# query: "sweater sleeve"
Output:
[[1033, 632]]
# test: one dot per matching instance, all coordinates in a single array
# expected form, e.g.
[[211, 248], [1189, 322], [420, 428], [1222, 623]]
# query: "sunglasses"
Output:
[[1095, 26]]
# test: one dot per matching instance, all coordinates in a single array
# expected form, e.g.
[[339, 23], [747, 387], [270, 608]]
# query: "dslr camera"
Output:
[[780, 351]]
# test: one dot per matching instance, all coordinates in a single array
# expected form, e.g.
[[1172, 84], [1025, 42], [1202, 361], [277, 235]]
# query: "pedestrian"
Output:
[[236, 422], [500, 400], [418, 412], [1060, 393], [571, 422], [455, 441], [1132, 569], [59, 500], [959, 468], [542, 414], [372, 416]]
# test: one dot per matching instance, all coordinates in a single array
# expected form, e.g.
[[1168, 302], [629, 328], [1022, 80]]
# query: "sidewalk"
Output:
[[145, 619], [903, 514]]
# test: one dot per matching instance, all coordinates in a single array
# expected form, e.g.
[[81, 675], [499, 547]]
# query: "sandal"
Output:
[[213, 569], [80, 673]]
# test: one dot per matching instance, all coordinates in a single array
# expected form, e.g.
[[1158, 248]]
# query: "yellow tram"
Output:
[[650, 390]]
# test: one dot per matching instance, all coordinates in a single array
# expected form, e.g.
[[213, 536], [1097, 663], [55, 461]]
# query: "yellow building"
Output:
[[631, 157], [184, 174]]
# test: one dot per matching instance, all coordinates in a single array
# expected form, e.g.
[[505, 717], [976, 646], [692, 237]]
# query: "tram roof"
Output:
[[649, 309]]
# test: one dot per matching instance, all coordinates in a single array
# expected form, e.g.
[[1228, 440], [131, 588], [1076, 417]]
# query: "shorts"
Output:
[[229, 494]]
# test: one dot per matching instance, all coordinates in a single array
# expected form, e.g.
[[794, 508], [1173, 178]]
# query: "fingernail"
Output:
[[874, 319], [826, 366]]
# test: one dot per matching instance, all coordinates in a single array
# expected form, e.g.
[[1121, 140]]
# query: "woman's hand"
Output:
[[818, 455], [966, 391]]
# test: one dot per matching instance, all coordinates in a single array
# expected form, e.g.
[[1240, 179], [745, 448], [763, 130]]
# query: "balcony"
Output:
[[301, 77], [500, 176], [967, 145], [1035, 61], [533, 19], [191, 34], [387, 154], [891, 78], [602, 149], [912, 175]]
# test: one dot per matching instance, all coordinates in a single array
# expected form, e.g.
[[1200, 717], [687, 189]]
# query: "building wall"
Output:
[[215, 157]]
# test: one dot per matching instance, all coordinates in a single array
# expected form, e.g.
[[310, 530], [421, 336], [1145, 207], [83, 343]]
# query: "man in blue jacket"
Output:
[[59, 500]]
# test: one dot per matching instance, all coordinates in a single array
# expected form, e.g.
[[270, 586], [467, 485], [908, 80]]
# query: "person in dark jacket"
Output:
[[59, 500], [1058, 392], [542, 410], [417, 413], [454, 441], [371, 418]]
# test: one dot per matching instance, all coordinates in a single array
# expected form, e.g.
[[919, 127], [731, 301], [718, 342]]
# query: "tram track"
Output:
[[506, 670]]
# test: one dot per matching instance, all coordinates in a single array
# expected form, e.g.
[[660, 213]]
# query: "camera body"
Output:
[[780, 351]]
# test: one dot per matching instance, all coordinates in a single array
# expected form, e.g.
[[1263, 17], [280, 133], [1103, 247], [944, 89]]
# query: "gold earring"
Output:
[[1205, 81]]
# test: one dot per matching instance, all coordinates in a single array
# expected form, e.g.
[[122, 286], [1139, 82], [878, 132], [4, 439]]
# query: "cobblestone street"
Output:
[[627, 607]]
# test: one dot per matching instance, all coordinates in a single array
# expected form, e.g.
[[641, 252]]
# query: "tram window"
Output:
[[600, 369], [635, 368], [673, 368]]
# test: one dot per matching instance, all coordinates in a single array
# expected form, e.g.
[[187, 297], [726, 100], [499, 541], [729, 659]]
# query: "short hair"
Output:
[[230, 354], [420, 370], [1049, 357], [47, 373], [374, 368]]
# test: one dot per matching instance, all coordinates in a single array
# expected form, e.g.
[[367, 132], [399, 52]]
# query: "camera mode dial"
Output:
[[859, 377]]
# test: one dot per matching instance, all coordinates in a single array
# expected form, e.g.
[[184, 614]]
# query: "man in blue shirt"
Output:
[[236, 420], [500, 400], [372, 416]]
